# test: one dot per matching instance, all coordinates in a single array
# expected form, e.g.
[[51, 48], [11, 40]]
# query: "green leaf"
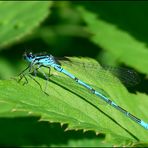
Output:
[[118, 43], [68, 102], [19, 18]]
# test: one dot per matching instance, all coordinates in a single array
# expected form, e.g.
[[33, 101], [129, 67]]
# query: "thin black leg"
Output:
[[47, 78], [35, 73], [22, 74], [38, 84], [49, 70], [26, 80], [24, 70]]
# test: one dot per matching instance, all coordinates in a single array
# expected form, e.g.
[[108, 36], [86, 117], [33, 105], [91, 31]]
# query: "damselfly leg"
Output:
[[33, 73]]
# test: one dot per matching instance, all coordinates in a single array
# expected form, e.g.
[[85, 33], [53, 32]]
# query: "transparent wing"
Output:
[[127, 76], [109, 74]]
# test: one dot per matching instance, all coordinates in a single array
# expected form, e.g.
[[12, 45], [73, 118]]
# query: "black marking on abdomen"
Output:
[[109, 101], [93, 91], [76, 79], [134, 118], [59, 67], [121, 109]]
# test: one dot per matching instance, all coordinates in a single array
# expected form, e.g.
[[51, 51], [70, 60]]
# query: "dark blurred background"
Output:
[[62, 33]]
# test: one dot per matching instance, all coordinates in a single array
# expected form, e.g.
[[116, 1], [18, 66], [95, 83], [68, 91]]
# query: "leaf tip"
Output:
[[97, 133], [61, 124], [13, 110], [85, 130], [66, 129], [30, 112]]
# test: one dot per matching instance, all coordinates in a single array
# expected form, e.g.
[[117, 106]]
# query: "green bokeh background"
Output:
[[62, 32]]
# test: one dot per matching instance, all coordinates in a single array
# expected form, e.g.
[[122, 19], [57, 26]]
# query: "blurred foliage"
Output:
[[111, 32]]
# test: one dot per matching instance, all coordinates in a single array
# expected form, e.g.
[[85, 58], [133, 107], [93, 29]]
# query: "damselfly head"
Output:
[[28, 56]]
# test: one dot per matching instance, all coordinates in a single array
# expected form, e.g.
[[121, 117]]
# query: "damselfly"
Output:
[[48, 61]]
